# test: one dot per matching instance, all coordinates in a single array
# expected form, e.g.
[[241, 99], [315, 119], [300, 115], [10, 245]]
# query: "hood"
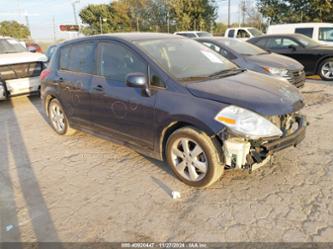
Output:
[[257, 92], [275, 60], [23, 57]]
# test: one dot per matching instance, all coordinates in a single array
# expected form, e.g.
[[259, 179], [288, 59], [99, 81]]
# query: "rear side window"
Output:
[[78, 58], [305, 31], [116, 61], [231, 33], [188, 35]]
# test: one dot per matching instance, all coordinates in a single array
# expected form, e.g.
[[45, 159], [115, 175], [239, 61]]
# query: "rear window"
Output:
[[8, 46], [78, 58], [305, 31], [231, 33], [188, 35]]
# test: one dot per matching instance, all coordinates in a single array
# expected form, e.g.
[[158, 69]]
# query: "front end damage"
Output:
[[249, 154]]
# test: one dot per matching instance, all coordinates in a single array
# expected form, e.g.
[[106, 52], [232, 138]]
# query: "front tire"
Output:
[[326, 70], [193, 157], [58, 119]]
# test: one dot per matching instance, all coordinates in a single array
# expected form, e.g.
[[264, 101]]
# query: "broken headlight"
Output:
[[247, 123]]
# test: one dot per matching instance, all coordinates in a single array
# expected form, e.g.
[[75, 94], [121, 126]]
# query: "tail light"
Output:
[[44, 74]]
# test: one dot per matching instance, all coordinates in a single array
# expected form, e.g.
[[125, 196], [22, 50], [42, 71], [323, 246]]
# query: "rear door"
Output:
[[124, 112], [76, 67]]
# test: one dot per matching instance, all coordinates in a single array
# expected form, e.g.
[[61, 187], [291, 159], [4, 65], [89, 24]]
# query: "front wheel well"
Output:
[[171, 128]]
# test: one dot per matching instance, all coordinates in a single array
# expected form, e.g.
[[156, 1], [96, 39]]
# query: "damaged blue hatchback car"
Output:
[[172, 99]]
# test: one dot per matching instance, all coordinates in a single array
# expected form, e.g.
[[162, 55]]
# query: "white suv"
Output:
[[19, 69]]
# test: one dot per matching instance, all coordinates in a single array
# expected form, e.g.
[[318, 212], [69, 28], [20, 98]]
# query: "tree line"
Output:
[[149, 15], [175, 15]]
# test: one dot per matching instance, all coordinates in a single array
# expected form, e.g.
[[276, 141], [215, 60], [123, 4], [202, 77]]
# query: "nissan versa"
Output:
[[174, 99]]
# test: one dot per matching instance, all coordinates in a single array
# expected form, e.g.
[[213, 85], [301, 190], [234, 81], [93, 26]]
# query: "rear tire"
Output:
[[326, 70], [58, 119], [193, 157]]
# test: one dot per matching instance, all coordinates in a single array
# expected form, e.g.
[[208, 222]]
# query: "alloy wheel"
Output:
[[327, 70], [189, 159], [57, 118]]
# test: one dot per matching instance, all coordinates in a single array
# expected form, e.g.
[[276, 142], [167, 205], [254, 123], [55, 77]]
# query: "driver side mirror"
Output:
[[292, 47], [138, 80]]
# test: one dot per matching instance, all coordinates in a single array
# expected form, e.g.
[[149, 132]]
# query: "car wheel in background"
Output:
[[326, 69], [193, 157], [58, 118]]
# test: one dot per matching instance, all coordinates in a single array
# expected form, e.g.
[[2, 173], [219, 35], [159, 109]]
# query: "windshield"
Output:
[[185, 59], [326, 34], [11, 46], [255, 32], [204, 34], [306, 41], [243, 48]]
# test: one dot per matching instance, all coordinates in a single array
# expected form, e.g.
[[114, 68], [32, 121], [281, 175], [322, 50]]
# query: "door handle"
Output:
[[99, 88]]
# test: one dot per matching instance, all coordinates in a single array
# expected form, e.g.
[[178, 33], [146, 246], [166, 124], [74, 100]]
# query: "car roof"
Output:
[[305, 25], [278, 35], [129, 37]]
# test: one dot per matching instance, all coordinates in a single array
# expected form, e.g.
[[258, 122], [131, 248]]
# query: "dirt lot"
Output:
[[83, 188]]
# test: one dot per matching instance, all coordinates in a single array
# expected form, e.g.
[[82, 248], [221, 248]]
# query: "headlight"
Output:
[[247, 123], [276, 71]]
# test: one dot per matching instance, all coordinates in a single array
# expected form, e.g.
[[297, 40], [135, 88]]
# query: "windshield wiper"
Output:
[[227, 72], [194, 78]]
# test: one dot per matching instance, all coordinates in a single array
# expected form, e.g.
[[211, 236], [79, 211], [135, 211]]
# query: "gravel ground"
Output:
[[83, 188]]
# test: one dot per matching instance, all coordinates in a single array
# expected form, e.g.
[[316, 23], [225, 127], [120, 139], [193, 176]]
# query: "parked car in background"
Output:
[[316, 58], [19, 69], [320, 32], [246, 55], [171, 98], [243, 33], [193, 34], [34, 47], [50, 51]]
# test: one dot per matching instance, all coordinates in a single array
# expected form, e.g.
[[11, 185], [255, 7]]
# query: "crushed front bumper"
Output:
[[290, 140]]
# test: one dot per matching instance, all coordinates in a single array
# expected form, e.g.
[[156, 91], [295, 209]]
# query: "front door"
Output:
[[121, 111]]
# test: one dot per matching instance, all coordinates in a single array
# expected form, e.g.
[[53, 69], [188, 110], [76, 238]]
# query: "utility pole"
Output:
[[229, 7], [74, 12], [54, 29]]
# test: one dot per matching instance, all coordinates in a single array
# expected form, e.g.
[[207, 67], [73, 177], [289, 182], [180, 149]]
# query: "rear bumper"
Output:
[[19, 87], [290, 140]]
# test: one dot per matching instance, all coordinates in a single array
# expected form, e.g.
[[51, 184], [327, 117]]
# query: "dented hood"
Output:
[[257, 92], [23, 57]]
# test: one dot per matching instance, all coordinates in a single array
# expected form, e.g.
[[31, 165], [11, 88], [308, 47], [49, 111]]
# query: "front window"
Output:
[[11, 46], [243, 48], [255, 32], [185, 59], [326, 34]]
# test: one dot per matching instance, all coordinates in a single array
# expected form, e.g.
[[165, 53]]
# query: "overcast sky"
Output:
[[41, 13]]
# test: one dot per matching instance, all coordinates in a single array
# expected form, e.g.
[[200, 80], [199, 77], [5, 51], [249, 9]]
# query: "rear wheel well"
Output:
[[47, 103], [321, 61]]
